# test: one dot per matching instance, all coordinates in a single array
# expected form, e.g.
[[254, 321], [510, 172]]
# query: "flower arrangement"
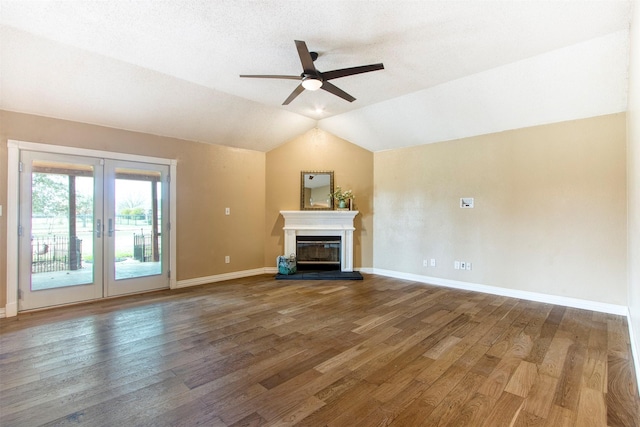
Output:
[[342, 196]]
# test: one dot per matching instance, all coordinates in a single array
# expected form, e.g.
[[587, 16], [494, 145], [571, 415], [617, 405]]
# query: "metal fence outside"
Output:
[[142, 247], [55, 253]]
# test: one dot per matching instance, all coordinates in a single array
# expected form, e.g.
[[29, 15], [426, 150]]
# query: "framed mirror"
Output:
[[315, 187]]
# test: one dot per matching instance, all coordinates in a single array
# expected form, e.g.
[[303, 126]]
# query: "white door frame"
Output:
[[13, 209]]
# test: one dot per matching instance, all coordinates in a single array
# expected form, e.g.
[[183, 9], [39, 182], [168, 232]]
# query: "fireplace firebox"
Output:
[[321, 223], [318, 252]]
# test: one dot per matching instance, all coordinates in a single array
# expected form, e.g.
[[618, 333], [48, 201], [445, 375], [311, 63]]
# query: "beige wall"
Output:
[[318, 150], [549, 216], [210, 178], [633, 158]]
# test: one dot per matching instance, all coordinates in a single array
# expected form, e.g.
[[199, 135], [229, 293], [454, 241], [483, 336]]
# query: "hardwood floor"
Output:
[[376, 352]]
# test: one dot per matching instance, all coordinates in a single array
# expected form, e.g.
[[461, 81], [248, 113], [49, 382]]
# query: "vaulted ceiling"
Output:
[[452, 68]]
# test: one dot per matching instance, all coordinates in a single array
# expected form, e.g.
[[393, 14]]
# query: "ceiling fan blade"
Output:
[[270, 77], [344, 72], [297, 91], [329, 87], [305, 56]]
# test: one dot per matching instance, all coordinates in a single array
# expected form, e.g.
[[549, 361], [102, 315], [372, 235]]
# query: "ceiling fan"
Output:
[[312, 79]]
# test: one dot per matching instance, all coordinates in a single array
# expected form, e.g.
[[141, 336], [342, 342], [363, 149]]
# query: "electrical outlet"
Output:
[[468, 266], [456, 265], [463, 265], [433, 262], [227, 259], [227, 211], [425, 263]]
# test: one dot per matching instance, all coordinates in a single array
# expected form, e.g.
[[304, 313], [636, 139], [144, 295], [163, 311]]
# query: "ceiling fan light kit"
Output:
[[312, 79], [311, 83]]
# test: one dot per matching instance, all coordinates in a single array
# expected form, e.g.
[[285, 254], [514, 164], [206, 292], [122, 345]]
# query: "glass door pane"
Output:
[[61, 225], [137, 236]]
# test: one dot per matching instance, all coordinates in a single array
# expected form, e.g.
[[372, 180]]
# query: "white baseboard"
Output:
[[221, 277], [601, 307], [635, 350], [3, 313]]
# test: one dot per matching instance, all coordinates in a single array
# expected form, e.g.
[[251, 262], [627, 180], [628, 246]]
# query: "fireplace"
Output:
[[318, 252], [313, 226]]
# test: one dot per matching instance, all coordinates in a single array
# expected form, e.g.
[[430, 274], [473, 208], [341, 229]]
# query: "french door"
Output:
[[90, 228]]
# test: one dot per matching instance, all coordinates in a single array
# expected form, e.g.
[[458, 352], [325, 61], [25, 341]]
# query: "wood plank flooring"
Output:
[[377, 352]]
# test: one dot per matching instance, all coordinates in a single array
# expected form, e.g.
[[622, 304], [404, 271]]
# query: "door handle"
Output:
[[110, 227], [98, 228]]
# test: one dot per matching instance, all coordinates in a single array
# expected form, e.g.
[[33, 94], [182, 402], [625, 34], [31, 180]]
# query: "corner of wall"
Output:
[[633, 188]]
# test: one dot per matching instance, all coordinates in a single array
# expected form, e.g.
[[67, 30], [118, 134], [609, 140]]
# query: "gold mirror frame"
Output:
[[315, 187]]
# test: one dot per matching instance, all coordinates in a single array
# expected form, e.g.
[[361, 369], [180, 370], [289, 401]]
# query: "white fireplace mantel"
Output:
[[321, 223]]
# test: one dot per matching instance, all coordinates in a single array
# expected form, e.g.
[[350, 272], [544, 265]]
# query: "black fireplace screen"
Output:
[[316, 251]]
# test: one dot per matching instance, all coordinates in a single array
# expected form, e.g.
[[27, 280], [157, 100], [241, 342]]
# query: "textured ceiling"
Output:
[[452, 68]]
